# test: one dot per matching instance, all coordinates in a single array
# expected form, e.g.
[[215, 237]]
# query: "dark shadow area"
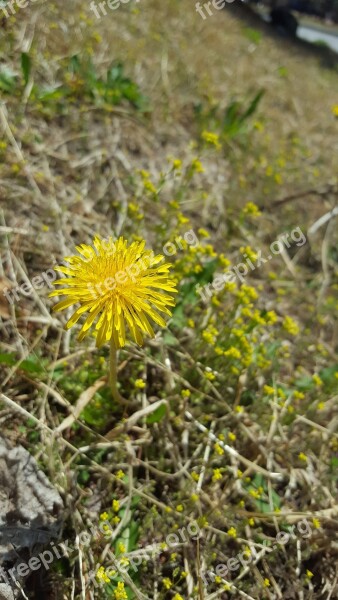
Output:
[[327, 57]]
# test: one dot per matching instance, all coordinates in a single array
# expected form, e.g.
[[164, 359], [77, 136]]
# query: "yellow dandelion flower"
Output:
[[120, 285]]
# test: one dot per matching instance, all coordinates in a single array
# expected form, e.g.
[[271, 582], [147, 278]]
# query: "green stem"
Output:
[[113, 372]]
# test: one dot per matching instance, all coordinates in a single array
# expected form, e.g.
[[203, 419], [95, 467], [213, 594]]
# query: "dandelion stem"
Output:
[[113, 372]]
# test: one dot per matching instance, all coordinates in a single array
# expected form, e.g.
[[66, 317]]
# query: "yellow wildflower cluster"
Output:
[[101, 575], [211, 138], [251, 209], [120, 592], [290, 325]]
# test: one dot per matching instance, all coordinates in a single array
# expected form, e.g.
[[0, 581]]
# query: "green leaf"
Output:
[[26, 65], [32, 364], [157, 415]]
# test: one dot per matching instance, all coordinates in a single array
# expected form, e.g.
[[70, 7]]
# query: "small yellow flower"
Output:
[[317, 380], [179, 508], [211, 138], [209, 375], [121, 548], [115, 520], [335, 110], [149, 187], [119, 592], [116, 505], [218, 449], [185, 393], [316, 523], [177, 596], [195, 476], [232, 532], [120, 474], [101, 575], [251, 522], [266, 582], [216, 475], [298, 395], [249, 253], [140, 384], [251, 209], [231, 436], [194, 497], [104, 516], [197, 166], [177, 163], [309, 574], [167, 583], [302, 456], [202, 521], [290, 326], [120, 285]]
